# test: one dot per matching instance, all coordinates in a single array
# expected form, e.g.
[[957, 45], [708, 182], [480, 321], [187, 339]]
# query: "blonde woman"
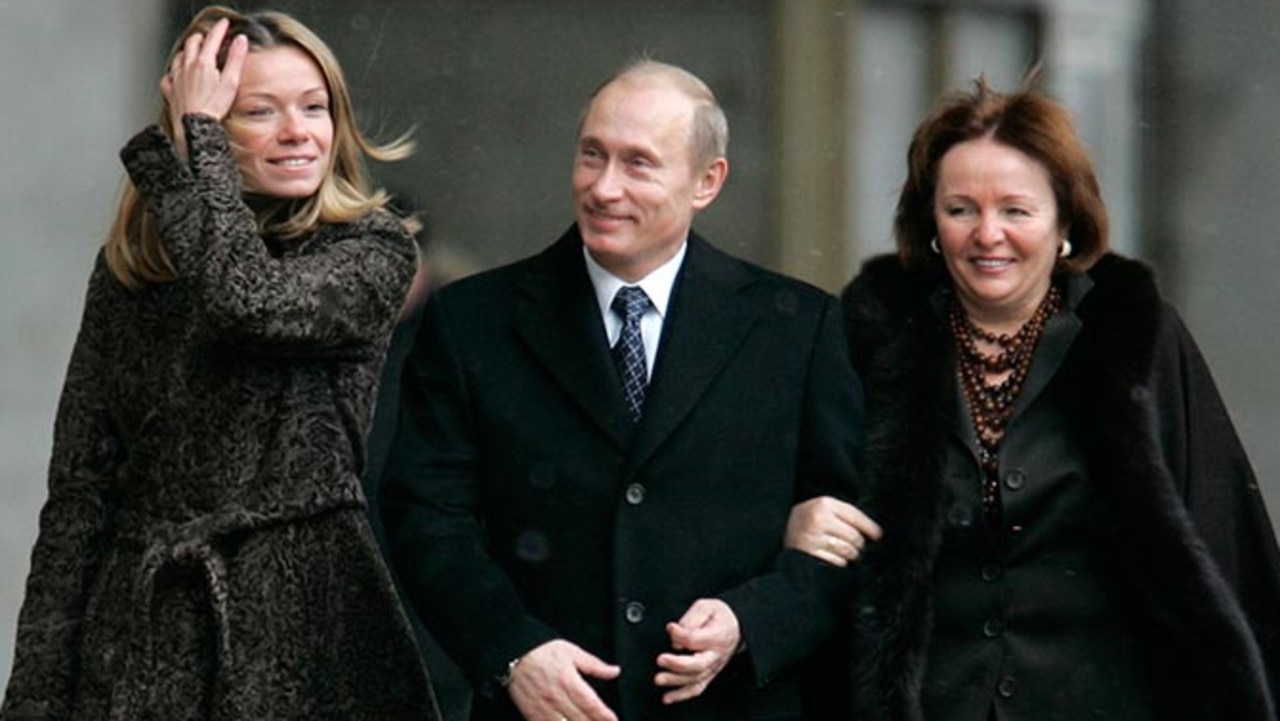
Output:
[[203, 552]]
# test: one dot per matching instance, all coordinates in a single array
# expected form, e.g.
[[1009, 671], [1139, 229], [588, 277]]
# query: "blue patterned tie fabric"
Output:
[[628, 353]]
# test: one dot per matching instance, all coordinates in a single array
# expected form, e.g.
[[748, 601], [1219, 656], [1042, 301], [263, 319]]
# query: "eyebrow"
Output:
[[264, 94], [587, 141], [966, 196]]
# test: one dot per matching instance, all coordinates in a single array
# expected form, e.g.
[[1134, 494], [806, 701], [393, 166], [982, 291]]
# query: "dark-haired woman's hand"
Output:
[[195, 83], [830, 529]]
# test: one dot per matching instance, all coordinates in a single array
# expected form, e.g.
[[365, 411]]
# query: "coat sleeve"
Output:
[[337, 300], [64, 562], [431, 500], [1218, 484], [788, 613]]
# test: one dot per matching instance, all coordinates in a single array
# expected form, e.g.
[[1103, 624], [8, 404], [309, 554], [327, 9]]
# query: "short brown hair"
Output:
[[1027, 120]]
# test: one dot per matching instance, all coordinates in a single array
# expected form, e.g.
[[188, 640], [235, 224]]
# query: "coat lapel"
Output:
[[557, 316], [706, 323]]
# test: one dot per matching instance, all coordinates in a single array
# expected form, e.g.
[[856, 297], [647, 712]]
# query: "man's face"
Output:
[[635, 189]]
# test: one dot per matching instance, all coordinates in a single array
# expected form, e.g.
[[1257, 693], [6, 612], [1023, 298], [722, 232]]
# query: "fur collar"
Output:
[[1120, 311]]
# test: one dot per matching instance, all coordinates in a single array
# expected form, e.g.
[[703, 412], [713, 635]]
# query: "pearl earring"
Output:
[[1065, 250], [934, 245]]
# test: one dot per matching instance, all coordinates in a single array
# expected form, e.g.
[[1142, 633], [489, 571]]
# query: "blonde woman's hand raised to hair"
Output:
[[195, 84]]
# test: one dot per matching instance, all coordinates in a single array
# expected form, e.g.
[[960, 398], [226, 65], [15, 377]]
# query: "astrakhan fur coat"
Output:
[[203, 551], [1188, 517]]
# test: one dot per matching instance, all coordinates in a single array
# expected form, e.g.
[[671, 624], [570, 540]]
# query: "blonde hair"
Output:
[[134, 251]]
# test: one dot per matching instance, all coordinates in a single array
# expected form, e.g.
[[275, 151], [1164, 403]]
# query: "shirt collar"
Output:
[[657, 284]]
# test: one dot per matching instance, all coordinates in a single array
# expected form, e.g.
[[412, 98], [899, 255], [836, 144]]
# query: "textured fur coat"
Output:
[[203, 551], [1189, 521]]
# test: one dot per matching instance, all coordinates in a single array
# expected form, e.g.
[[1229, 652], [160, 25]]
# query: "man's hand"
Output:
[[831, 530], [548, 685], [706, 638]]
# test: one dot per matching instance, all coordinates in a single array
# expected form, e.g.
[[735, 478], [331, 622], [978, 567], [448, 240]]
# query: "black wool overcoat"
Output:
[[523, 505]]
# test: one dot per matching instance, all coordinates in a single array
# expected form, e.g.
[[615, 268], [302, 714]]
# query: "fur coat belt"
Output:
[[198, 545]]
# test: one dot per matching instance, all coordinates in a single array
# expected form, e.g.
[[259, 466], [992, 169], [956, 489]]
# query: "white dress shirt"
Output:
[[657, 285]]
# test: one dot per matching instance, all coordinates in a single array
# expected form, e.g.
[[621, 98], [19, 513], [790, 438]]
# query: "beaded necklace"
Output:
[[991, 404]]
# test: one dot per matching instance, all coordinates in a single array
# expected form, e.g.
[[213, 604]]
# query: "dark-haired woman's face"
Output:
[[280, 123], [998, 229]]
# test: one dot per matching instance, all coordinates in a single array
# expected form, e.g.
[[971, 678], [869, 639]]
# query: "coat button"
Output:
[[634, 612], [991, 572], [1007, 687], [1015, 480], [992, 627], [635, 494]]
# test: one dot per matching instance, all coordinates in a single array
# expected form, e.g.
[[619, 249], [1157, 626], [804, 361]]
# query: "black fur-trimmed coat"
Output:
[[203, 552], [1159, 446]]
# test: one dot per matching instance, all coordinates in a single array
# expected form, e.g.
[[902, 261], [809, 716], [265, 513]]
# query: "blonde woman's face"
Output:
[[280, 124]]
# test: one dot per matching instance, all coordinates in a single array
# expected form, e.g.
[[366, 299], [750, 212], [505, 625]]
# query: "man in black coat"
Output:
[[595, 533]]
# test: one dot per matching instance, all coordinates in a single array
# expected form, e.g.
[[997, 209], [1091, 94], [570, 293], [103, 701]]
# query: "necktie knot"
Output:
[[631, 303]]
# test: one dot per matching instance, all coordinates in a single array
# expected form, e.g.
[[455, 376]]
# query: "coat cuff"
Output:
[[153, 165]]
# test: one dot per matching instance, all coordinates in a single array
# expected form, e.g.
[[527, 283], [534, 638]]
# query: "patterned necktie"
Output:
[[628, 353]]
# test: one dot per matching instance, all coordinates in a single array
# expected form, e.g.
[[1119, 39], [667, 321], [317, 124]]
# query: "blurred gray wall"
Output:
[[1213, 200], [77, 78], [494, 88]]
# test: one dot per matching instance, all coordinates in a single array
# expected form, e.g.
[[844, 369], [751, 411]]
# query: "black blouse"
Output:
[[1026, 609]]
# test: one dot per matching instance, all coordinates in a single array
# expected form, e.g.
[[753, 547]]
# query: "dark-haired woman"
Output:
[[1071, 527]]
